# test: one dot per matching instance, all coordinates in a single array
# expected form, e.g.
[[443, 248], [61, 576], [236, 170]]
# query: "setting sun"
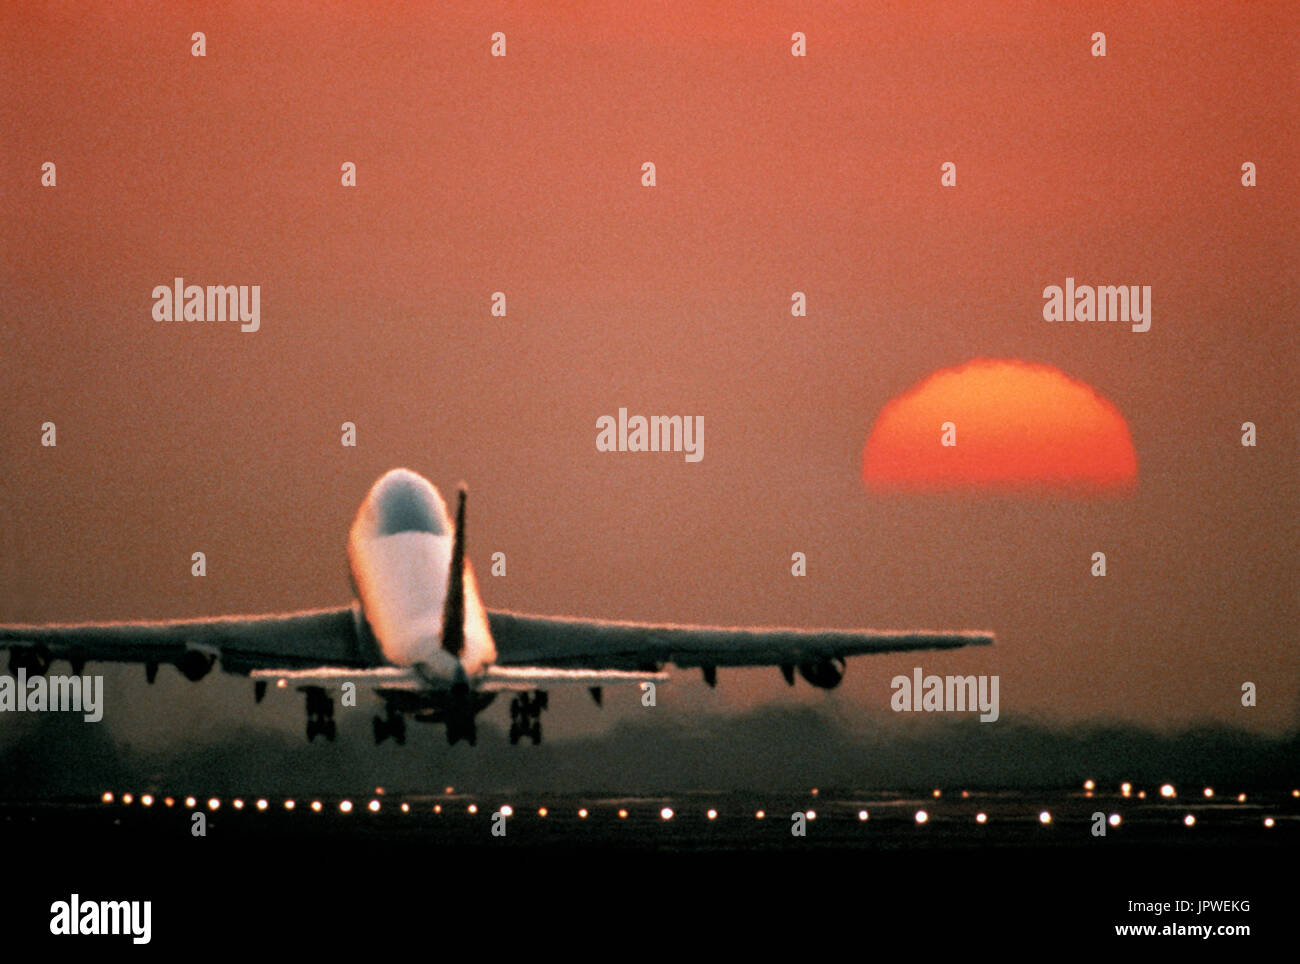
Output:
[[999, 424]]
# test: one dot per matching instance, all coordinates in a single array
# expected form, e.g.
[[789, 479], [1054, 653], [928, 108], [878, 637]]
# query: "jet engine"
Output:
[[195, 664], [824, 672]]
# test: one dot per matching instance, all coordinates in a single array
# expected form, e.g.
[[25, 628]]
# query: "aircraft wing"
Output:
[[241, 643], [556, 641]]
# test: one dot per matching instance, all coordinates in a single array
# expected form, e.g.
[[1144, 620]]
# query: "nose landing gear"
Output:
[[460, 716]]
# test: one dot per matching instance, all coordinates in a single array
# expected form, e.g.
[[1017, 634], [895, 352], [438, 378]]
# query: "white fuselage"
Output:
[[399, 551]]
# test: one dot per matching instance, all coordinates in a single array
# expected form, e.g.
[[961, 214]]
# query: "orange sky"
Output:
[[774, 175]]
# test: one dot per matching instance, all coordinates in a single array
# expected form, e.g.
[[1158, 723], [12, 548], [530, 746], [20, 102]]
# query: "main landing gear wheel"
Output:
[[526, 716], [320, 714], [519, 730], [393, 725], [326, 728]]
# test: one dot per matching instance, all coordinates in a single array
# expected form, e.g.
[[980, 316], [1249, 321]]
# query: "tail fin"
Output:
[[453, 613]]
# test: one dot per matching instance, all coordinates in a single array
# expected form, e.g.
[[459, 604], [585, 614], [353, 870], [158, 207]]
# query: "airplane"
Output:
[[419, 635]]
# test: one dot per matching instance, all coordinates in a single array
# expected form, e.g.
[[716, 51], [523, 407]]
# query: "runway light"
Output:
[[542, 811], [238, 804], [1241, 798], [190, 802], [713, 815], [760, 815], [168, 801], [147, 800], [1142, 794], [938, 794], [1113, 820], [214, 803], [981, 818], [622, 815], [815, 791], [472, 808], [811, 814], [315, 806], [1089, 785], [288, 804], [1189, 820], [1268, 821], [1295, 793], [965, 794], [863, 815], [1209, 791], [379, 791], [345, 806], [281, 684], [406, 808], [374, 806], [583, 813], [437, 808], [127, 798], [107, 797], [261, 804], [1044, 818], [1126, 788], [922, 816], [507, 811], [449, 790], [1167, 791], [666, 813]]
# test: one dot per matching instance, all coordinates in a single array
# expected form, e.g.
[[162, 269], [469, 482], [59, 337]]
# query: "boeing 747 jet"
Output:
[[419, 635]]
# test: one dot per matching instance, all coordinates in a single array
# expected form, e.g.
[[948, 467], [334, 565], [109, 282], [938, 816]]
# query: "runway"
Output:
[[817, 818], [335, 869]]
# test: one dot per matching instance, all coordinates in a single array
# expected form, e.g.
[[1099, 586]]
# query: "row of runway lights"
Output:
[[345, 806]]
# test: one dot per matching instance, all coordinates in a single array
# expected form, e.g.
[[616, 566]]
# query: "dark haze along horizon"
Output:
[[775, 175], [776, 748]]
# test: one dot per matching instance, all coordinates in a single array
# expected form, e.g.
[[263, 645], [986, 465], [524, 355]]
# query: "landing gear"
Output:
[[526, 716], [320, 713], [465, 729], [394, 725], [460, 716]]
